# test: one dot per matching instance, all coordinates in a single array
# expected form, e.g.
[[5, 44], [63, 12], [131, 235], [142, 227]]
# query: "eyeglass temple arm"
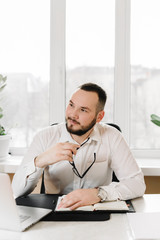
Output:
[[89, 166]]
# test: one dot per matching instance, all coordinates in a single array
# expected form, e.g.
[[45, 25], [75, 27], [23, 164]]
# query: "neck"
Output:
[[81, 139]]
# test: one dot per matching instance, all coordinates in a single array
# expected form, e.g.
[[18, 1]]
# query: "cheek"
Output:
[[67, 111], [87, 118]]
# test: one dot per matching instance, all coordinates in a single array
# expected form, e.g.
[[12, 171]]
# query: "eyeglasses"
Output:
[[76, 171], [74, 167]]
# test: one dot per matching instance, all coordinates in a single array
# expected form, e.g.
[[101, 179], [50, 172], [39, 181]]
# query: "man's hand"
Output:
[[59, 152], [79, 198]]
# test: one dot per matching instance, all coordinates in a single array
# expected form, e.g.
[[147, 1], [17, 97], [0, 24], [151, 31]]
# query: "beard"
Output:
[[81, 131]]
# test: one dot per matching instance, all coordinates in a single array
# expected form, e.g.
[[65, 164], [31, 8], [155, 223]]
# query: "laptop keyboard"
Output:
[[23, 218]]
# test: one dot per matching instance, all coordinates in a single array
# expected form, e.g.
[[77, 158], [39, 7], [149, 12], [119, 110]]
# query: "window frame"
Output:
[[57, 85], [122, 69]]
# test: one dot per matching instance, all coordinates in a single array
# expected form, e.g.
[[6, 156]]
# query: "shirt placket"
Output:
[[77, 180], [81, 166]]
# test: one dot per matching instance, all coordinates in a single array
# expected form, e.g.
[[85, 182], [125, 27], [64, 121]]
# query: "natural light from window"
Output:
[[25, 59], [90, 39], [145, 73]]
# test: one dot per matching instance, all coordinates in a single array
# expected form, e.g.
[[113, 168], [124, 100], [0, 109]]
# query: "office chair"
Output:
[[114, 178]]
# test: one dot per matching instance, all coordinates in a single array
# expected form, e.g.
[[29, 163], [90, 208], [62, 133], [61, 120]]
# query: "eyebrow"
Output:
[[85, 108]]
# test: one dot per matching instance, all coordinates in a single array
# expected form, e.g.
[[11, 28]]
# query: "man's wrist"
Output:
[[38, 162]]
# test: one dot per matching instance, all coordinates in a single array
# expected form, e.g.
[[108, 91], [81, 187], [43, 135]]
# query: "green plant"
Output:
[[155, 119], [2, 86]]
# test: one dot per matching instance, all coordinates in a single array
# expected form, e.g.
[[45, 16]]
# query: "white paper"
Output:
[[145, 225], [115, 205]]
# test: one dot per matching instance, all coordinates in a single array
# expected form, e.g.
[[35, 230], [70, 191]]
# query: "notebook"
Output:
[[108, 206], [13, 217], [50, 201]]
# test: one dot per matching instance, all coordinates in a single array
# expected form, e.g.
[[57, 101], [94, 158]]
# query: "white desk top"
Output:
[[114, 229]]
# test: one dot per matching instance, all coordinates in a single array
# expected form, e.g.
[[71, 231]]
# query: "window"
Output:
[[104, 41], [83, 25], [25, 59], [145, 73], [90, 34]]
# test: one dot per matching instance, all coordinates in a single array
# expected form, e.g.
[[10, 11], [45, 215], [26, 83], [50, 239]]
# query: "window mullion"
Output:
[[57, 61], [122, 66]]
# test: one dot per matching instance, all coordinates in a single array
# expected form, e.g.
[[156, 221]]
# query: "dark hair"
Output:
[[92, 87]]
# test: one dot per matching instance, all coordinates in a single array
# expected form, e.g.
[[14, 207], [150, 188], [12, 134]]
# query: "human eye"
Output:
[[83, 110], [71, 104]]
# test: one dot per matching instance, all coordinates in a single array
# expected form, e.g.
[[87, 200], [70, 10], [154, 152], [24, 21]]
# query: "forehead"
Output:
[[85, 99]]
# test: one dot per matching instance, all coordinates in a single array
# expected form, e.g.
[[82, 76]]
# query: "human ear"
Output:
[[100, 116]]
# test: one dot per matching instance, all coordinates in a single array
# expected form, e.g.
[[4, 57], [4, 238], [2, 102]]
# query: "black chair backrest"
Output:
[[114, 125], [114, 178]]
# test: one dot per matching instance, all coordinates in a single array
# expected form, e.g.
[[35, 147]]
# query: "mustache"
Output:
[[72, 119]]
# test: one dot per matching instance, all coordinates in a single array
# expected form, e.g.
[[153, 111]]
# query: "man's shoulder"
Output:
[[52, 129], [106, 128]]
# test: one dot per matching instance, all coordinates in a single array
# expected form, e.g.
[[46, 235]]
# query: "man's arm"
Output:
[[36, 159], [126, 189]]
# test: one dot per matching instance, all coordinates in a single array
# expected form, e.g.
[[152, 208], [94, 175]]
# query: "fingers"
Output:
[[71, 146], [67, 150], [59, 152], [79, 198], [69, 203], [67, 153], [65, 157], [76, 205]]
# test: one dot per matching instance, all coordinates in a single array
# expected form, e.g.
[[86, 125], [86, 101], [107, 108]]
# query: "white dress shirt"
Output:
[[112, 154]]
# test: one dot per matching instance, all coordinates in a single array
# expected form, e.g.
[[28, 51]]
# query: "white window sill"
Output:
[[150, 167], [11, 164]]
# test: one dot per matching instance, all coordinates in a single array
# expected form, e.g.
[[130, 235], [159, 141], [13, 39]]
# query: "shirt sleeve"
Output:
[[131, 180], [27, 175]]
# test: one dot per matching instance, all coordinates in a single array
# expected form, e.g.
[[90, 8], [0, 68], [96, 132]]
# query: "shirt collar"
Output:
[[95, 134], [66, 136]]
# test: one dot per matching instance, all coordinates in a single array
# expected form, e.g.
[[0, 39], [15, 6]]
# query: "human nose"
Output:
[[75, 114]]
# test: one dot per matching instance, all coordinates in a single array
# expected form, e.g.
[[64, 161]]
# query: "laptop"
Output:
[[13, 217]]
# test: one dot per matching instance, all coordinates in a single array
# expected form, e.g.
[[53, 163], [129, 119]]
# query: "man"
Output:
[[79, 157]]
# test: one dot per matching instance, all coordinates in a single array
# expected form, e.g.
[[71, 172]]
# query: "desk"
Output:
[[114, 229]]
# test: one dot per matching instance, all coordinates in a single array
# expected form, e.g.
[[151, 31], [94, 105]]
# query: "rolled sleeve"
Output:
[[131, 180]]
